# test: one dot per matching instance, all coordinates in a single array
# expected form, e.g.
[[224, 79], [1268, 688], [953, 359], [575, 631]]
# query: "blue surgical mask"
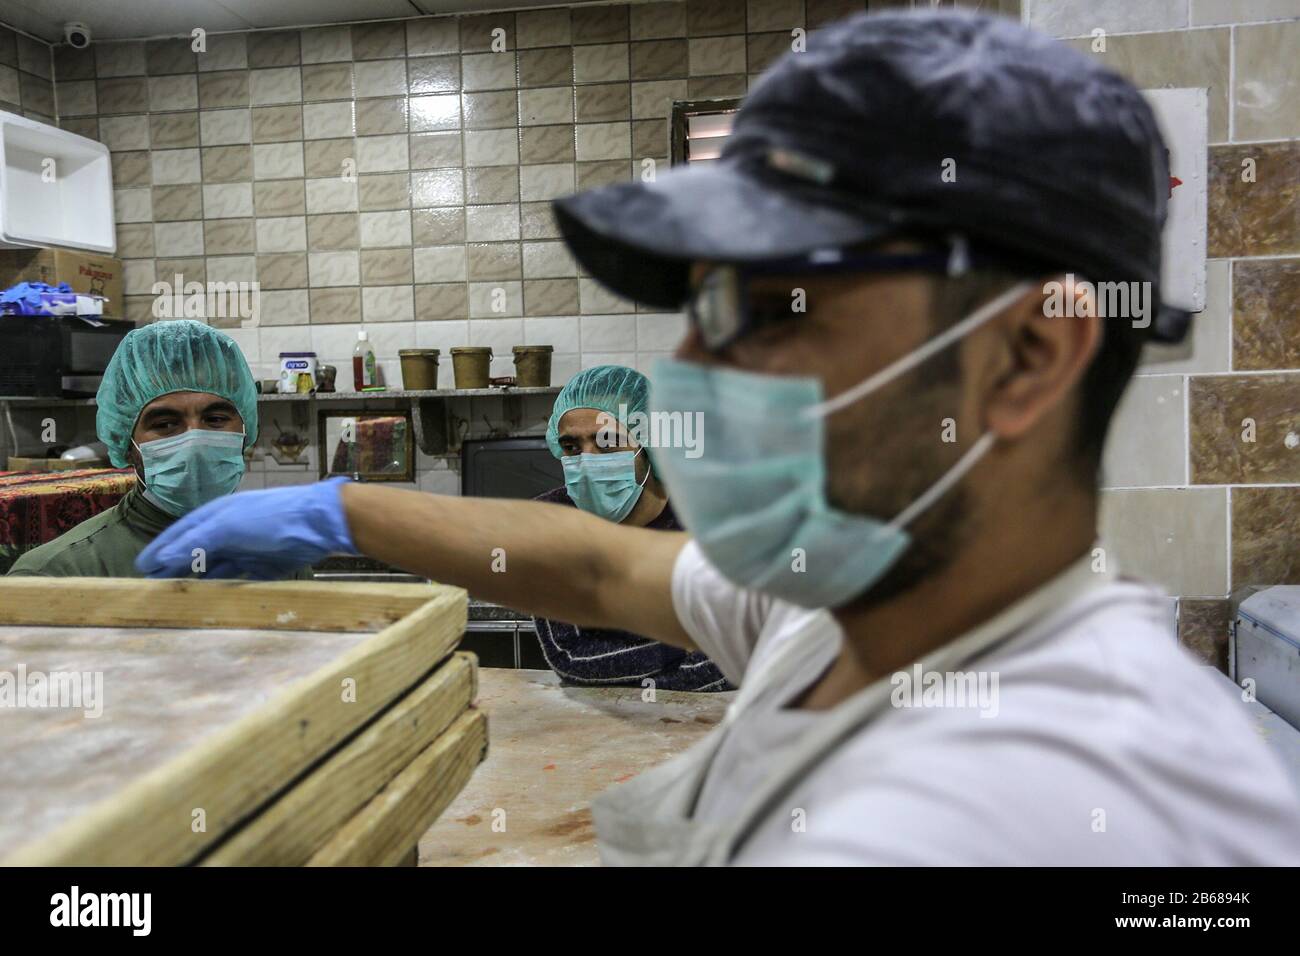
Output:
[[188, 470], [756, 503], [604, 484]]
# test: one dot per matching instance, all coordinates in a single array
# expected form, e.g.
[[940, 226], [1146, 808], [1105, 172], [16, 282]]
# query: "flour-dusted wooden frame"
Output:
[[415, 627]]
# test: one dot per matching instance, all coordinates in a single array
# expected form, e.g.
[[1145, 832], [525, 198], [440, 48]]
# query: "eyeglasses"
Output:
[[722, 309]]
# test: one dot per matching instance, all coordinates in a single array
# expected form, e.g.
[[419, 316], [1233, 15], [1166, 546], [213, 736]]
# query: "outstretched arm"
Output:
[[536, 557]]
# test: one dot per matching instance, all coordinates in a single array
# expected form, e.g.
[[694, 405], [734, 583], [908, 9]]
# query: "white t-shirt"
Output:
[[1109, 745]]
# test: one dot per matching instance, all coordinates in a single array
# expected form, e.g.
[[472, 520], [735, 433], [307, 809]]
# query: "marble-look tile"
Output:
[[440, 264], [338, 268], [1254, 200], [437, 187], [382, 154], [273, 48], [133, 205], [173, 93], [381, 117], [498, 223], [225, 127], [175, 203], [491, 147], [545, 181], [174, 130], [330, 231], [783, 15], [442, 302], [328, 157], [131, 169], [135, 240], [380, 78], [714, 87], [328, 120], [175, 166], [716, 56], [1147, 443], [487, 31], [597, 141], [227, 237], [487, 71], [179, 238], [326, 44], [280, 85], [546, 144], [654, 99], [122, 58], [491, 184], [124, 95], [495, 300], [284, 197], [600, 63], [432, 227], [597, 300], [1267, 84], [386, 266], [383, 229], [331, 195], [433, 74], [392, 303], [283, 270], [335, 306], [714, 17], [764, 49], [277, 124], [75, 99], [537, 28], [382, 40], [1217, 12], [492, 260], [227, 164], [223, 89], [1245, 429], [1065, 18], [1203, 629], [1265, 528], [600, 24], [548, 260], [652, 21], [1206, 346], [434, 150], [327, 81], [431, 35], [1266, 314], [549, 297], [1176, 58], [494, 109], [225, 51], [282, 234], [546, 105], [285, 307], [1177, 538], [603, 102], [228, 200], [125, 132], [278, 161]]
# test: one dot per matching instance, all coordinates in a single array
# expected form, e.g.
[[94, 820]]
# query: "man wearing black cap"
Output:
[[893, 510]]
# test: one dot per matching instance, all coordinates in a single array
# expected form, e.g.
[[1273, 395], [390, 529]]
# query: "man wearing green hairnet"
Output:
[[608, 474], [178, 405]]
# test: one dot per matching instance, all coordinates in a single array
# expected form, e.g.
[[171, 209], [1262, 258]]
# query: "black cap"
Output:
[[894, 124]]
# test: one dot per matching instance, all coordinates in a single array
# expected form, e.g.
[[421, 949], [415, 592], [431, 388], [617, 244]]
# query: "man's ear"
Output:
[[133, 459], [1044, 357]]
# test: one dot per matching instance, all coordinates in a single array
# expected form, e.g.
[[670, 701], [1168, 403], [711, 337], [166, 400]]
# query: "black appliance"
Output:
[[56, 356], [508, 468]]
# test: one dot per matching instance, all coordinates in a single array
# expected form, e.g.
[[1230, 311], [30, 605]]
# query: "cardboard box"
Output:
[[43, 465], [87, 272]]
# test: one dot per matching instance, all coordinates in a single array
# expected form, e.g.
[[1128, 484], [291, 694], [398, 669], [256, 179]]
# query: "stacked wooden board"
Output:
[[238, 722]]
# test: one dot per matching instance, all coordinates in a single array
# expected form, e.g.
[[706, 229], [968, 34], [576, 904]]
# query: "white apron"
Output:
[[648, 821]]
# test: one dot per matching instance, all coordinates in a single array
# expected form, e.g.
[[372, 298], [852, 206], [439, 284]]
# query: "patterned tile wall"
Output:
[[399, 173]]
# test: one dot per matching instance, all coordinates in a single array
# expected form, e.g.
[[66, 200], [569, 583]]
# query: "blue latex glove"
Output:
[[262, 535]]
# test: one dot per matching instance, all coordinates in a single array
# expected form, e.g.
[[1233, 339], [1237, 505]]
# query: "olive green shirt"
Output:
[[104, 546]]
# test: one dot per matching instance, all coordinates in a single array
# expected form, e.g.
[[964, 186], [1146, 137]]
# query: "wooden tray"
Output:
[[218, 698]]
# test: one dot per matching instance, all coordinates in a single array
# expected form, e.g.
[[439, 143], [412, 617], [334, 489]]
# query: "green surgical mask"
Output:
[[604, 484], [188, 470]]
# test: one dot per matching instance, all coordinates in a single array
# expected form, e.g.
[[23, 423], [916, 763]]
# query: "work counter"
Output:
[[553, 749]]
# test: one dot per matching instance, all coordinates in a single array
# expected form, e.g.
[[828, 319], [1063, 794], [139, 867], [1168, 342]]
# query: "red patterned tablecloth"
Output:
[[36, 508]]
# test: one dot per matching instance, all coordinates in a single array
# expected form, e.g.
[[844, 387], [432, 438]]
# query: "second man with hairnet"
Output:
[[608, 473]]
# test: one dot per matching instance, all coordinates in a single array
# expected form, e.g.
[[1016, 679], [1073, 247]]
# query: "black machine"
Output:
[[56, 356], [508, 468]]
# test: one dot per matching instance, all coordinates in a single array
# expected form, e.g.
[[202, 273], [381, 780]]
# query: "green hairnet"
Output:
[[176, 355], [603, 388]]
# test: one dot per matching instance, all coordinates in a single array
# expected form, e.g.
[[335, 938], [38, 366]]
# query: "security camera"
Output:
[[77, 35]]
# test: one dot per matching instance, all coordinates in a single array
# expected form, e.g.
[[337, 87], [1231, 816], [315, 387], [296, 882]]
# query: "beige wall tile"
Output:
[[1267, 85], [1147, 444], [1068, 18], [1177, 538]]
